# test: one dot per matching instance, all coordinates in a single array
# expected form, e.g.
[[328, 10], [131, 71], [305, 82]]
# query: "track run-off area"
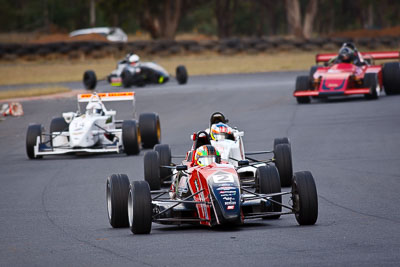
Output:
[[53, 210]]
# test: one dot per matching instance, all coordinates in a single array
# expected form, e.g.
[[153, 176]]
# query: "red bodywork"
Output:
[[344, 78], [198, 180]]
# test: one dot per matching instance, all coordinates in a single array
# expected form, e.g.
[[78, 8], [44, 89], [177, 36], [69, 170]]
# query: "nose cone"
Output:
[[80, 131]]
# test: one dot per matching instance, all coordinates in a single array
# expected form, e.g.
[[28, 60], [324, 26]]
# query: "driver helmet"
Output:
[[206, 155], [94, 108], [346, 54], [133, 59], [220, 131]]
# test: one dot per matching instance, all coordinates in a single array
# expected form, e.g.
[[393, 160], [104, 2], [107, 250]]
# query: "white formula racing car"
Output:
[[95, 131], [229, 142]]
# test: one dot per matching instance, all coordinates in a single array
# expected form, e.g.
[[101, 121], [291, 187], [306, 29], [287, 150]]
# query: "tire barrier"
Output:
[[229, 46]]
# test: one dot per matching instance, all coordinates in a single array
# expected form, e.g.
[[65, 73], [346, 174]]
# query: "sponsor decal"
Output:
[[231, 207], [230, 203], [223, 177]]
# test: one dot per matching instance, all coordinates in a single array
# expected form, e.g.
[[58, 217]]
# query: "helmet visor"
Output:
[[206, 160]]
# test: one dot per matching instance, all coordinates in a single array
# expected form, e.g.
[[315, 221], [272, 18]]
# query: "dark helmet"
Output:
[[218, 117], [346, 54]]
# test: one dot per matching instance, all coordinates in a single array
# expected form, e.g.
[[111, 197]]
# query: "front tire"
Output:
[[130, 137], [89, 79], [371, 81], [164, 153], [152, 169], [150, 129], [305, 198], [181, 74], [283, 161], [117, 191], [283, 140], [126, 78], [34, 131], [391, 77], [140, 207], [303, 84], [267, 179]]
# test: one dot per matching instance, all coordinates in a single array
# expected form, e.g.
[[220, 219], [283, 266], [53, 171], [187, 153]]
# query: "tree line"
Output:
[[163, 19]]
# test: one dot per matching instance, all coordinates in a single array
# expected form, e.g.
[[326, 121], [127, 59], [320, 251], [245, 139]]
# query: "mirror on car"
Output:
[[181, 168], [242, 163]]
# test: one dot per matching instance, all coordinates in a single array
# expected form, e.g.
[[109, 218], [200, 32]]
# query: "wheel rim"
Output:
[[130, 208], [109, 206], [296, 199], [158, 131], [138, 136]]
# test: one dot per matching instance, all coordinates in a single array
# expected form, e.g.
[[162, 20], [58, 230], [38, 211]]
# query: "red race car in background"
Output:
[[357, 76]]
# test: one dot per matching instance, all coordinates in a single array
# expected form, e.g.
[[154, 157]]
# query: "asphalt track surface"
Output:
[[53, 210]]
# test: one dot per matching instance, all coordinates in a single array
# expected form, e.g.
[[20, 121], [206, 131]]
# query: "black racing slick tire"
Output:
[[391, 77], [32, 133], [303, 84], [126, 78], [283, 162], [152, 169], [305, 198], [58, 125], [150, 129], [181, 74], [140, 209], [130, 137], [164, 153], [371, 82], [313, 70], [283, 140], [268, 182], [117, 191], [89, 79]]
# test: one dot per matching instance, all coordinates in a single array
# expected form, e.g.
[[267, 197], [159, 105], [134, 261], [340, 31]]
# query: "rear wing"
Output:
[[117, 96], [374, 55], [107, 97]]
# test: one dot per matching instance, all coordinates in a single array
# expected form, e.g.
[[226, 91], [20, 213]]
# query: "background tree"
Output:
[[294, 18]]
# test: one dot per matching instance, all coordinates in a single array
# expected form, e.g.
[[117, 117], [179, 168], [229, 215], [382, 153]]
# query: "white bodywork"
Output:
[[88, 132], [233, 151], [113, 34], [122, 65]]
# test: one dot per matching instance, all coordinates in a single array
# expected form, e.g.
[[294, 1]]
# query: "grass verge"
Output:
[[29, 92], [205, 64]]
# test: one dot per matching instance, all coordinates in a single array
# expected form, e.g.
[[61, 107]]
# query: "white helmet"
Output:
[[133, 59], [94, 108]]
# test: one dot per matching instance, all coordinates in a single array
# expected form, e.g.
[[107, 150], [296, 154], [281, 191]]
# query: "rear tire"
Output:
[[283, 161], [140, 207], [305, 198], [152, 169], [283, 140], [164, 153], [126, 78], [371, 81], [150, 129], [391, 77], [58, 125], [32, 133], [181, 74], [130, 137], [303, 84], [89, 79], [268, 181], [117, 191]]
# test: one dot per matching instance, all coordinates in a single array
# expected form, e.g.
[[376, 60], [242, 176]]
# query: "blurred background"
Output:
[[43, 41], [176, 26]]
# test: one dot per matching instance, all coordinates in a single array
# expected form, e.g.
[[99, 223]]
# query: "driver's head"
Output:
[[220, 131], [133, 59], [206, 155], [94, 108], [346, 54]]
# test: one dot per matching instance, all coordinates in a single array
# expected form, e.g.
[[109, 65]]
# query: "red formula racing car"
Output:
[[205, 191], [351, 74]]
